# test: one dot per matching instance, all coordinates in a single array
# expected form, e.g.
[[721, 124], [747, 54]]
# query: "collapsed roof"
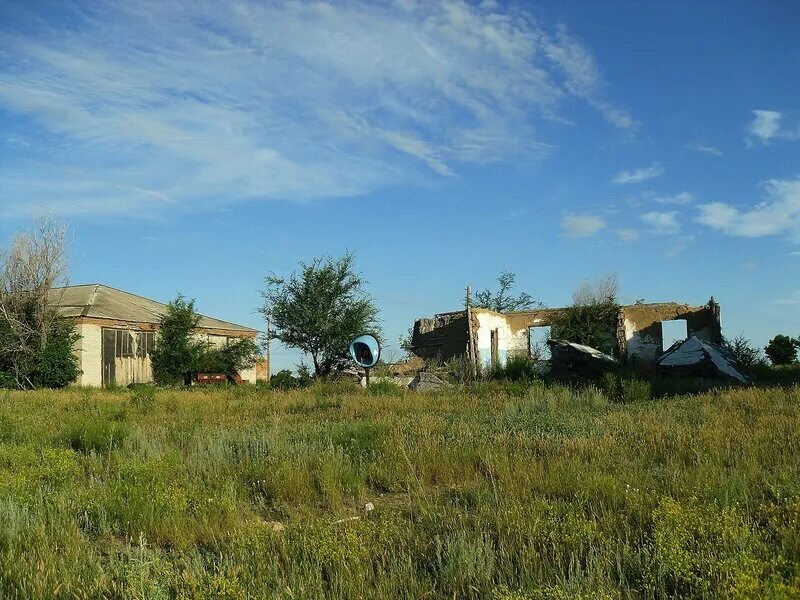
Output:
[[699, 357]]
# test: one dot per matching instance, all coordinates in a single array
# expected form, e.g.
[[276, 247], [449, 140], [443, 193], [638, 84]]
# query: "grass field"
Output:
[[501, 491]]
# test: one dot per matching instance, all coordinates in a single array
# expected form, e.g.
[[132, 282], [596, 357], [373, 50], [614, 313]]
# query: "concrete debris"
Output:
[[426, 382], [577, 358], [698, 357]]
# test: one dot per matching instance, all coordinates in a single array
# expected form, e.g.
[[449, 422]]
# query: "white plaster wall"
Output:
[[639, 345], [89, 350], [509, 342]]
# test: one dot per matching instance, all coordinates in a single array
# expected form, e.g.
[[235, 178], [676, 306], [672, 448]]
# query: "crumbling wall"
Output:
[[443, 337], [644, 337], [638, 330], [510, 341]]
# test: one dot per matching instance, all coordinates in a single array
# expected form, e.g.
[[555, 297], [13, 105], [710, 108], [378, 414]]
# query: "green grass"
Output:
[[502, 491]]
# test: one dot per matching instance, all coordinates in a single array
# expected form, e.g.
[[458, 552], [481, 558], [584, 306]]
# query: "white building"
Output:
[[118, 330]]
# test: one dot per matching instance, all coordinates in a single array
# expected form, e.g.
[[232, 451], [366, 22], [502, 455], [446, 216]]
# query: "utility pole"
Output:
[[269, 358], [471, 355]]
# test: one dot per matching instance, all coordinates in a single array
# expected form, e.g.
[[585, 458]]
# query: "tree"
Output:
[[36, 343], [319, 310], [501, 300], [180, 354], [782, 350], [592, 318], [233, 357], [745, 355], [177, 352]]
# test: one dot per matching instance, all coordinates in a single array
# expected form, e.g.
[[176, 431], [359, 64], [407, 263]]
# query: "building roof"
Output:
[[103, 302]]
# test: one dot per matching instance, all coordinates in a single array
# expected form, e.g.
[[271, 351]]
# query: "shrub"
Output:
[[623, 389], [517, 368], [284, 380], [385, 388], [94, 433], [745, 355]]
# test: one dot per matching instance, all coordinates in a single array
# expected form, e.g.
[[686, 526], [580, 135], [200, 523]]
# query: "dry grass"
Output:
[[499, 491]]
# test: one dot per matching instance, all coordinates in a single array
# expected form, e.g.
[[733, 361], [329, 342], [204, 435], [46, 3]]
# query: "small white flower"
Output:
[[369, 507]]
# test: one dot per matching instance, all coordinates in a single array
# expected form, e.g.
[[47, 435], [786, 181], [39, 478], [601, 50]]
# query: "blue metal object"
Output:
[[366, 351]]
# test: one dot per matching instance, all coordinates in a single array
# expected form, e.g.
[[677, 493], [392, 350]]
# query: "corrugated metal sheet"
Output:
[[103, 302]]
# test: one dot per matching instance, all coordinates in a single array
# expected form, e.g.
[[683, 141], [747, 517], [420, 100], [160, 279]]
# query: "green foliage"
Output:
[[517, 368], [177, 353], [56, 363], [745, 355], [284, 380], [320, 310], [592, 325], [501, 300], [502, 490], [52, 362], [782, 350], [623, 389], [233, 357]]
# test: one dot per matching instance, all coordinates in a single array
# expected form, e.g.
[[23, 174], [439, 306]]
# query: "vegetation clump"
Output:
[[502, 489], [320, 310], [180, 353], [782, 350], [36, 342]]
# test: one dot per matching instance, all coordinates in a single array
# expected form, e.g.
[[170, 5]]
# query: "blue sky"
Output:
[[194, 147]]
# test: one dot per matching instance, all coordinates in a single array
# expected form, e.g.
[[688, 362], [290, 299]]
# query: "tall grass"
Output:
[[504, 491]]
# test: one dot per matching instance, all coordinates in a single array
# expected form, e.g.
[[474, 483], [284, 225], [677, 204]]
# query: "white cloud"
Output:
[[639, 175], [200, 104], [679, 245], [778, 214], [767, 125], [682, 199], [663, 223], [627, 235], [697, 147], [581, 226], [793, 298]]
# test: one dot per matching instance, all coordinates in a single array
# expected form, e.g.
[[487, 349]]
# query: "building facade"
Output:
[[642, 331], [118, 331]]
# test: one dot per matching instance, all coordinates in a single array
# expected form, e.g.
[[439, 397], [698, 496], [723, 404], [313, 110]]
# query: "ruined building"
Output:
[[643, 331]]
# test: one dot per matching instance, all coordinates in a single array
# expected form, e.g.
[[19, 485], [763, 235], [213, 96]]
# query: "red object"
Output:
[[212, 378]]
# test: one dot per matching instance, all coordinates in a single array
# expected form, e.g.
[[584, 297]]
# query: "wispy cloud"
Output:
[[627, 235], [142, 104], [662, 223], [679, 245], [777, 214], [705, 149], [639, 175], [681, 199], [581, 226], [768, 125], [793, 298]]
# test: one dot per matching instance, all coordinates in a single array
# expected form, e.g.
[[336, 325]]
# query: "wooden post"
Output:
[[471, 354], [269, 357]]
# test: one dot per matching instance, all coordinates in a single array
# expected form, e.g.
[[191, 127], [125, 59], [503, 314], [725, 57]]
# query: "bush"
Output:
[[284, 380], [517, 368], [745, 355], [622, 389], [94, 433], [385, 388]]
